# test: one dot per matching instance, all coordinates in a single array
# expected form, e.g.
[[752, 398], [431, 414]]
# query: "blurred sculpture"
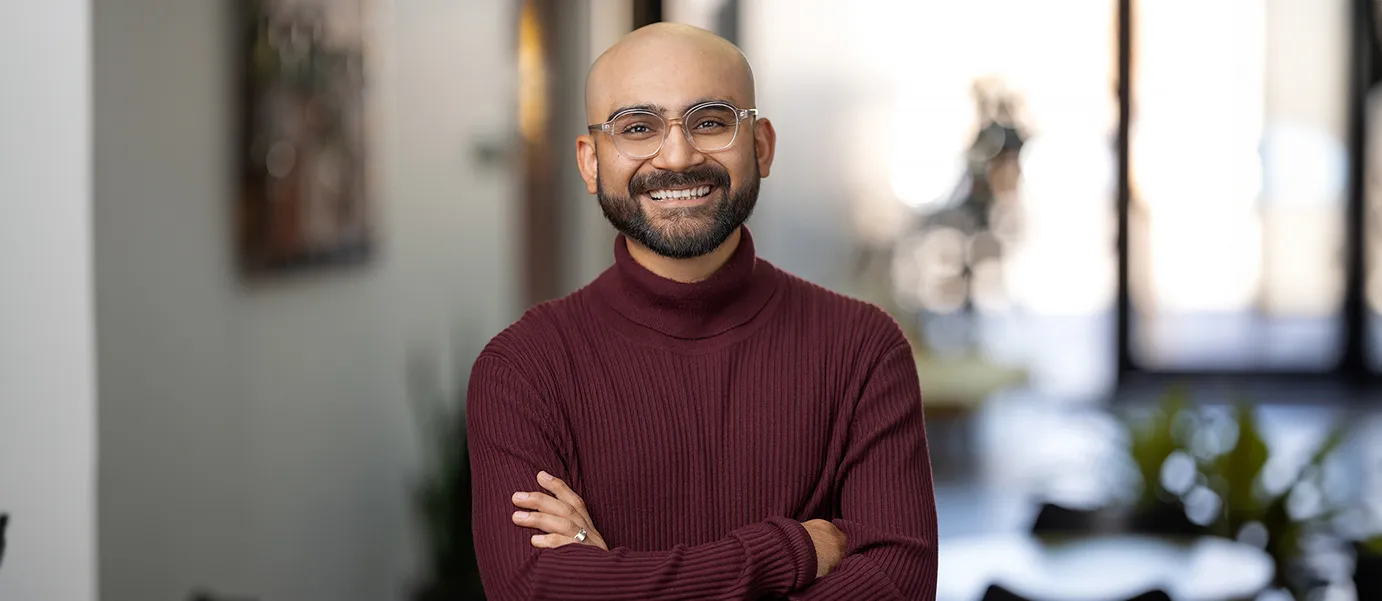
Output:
[[946, 266], [951, 262]]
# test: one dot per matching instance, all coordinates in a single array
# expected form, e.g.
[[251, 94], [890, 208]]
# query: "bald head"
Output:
[[677, 197], [668, 65]]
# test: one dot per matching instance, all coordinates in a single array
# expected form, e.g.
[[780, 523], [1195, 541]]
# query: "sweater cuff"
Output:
[[781, 556]]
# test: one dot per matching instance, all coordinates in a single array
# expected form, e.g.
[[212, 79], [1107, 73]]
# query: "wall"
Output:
[[256, 439], [590, 26], [47, 396], [808, 75]]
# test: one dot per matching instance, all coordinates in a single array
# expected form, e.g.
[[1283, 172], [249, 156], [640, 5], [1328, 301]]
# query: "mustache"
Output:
[[700, 174]]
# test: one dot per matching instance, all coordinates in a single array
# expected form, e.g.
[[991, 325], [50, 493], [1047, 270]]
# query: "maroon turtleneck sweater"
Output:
[[701, 423]]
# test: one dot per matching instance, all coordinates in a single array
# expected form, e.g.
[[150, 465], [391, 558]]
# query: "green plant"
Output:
[[1231, 466], [1151, 441], [441, 496], [1236, 476]]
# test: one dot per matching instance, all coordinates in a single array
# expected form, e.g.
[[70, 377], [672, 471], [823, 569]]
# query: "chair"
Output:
[[998, 593], [1055, 519]]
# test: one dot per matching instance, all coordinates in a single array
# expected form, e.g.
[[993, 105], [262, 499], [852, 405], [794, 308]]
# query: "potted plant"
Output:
[[1222, 456], [1152, 440], [1236, 477], [442, 495]]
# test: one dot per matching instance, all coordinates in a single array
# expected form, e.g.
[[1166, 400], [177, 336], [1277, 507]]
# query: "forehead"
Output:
[[671, 78]]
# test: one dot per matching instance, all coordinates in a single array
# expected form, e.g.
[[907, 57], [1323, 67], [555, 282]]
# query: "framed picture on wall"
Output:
[[303, 200]]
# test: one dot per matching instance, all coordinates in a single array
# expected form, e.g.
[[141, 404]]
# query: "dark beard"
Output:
[[687, 232]]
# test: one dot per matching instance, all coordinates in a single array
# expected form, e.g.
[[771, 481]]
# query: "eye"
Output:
[[709, 124], [637, 128]]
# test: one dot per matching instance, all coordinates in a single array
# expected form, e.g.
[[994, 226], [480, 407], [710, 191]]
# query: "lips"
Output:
[[691, 193]]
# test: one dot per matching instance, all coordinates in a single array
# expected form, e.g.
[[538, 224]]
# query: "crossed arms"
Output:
[[882, 547]]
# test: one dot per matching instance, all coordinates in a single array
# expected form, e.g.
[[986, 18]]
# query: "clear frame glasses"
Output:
[[709, 127]]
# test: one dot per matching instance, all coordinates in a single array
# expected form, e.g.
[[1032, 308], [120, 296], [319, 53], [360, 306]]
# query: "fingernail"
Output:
[[545, 476], [520, 495], [522, 515], [537, 538]]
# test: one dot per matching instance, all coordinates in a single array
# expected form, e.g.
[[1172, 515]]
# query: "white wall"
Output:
[[808, 76], [47, 380], [256, 440]]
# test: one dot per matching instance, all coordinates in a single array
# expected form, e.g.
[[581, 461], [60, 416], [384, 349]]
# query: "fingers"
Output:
[[547, 504], [559, 512], [552, 541], [557, 539], [550, 524], [563, 493]]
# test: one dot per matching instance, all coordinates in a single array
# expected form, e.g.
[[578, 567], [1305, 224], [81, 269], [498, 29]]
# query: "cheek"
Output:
[[742, 169], [612, 169], [614, 177]]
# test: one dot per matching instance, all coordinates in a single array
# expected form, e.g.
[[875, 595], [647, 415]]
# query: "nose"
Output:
[[677, 154]]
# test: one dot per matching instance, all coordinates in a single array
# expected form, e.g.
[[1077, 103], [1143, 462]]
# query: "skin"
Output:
[[674, 67]]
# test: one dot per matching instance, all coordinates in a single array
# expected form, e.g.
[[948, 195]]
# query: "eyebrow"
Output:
[[659, 109]]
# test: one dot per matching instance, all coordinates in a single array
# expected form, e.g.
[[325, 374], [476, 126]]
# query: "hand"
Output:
[[830, 545], [561, 515]]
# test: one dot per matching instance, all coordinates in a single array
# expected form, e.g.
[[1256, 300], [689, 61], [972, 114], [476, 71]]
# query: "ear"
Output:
[[765, 142], [588, 161]]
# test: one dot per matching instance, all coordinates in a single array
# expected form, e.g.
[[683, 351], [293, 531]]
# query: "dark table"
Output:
[[1101, 567]]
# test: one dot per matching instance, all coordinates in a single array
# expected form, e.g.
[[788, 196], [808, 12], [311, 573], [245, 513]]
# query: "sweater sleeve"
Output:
[[887, 505], [512, 436]]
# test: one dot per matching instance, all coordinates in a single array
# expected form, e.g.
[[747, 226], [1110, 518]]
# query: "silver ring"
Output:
[[580, 536]]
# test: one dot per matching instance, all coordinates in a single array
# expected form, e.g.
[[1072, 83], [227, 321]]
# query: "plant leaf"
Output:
[[1240, 468], [1151, 441]]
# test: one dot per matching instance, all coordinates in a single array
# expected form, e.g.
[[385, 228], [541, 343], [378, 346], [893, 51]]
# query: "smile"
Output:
[[683, 194]]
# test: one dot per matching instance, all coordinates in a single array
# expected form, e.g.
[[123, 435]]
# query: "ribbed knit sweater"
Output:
[[701, 424]]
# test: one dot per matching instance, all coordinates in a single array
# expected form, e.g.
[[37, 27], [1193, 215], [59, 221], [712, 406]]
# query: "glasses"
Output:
[[640, 133]]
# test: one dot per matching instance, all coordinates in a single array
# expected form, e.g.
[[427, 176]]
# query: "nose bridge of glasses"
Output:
[[679, 123], [669, 141]]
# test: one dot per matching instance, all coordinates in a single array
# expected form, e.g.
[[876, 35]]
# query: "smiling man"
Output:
[[695, 423]]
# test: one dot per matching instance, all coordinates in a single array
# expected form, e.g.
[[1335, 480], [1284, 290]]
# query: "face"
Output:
[[682, 202], [647, 209]]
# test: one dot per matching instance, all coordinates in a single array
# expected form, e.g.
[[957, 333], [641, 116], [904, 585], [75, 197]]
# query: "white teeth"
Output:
[[680, 194]]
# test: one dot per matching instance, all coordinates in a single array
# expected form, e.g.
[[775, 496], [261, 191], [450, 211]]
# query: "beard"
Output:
[[681, 232]]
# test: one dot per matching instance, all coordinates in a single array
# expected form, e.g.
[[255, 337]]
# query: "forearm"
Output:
[[856, 578], [892, 568], [887, 503], [774, 557]]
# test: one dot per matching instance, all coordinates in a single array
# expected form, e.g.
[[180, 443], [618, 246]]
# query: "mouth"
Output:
[[681, 196]]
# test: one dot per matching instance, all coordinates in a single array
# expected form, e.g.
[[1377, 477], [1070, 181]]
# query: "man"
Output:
[[695, 423]]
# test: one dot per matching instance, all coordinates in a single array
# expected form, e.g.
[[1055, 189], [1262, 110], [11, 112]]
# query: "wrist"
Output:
[[828, 542], [781, 555]]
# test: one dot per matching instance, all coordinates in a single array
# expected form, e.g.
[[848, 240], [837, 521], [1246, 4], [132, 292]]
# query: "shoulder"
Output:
[[861, 322], [534, 346], [522, 342]]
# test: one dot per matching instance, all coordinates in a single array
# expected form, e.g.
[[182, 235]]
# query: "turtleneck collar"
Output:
[[729, 298]]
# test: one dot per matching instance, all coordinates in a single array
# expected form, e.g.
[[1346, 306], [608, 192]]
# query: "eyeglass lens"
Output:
[[640, 134]]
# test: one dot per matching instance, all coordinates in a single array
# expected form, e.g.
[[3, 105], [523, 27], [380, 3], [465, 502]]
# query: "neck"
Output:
[[686, 271], [645, 294]]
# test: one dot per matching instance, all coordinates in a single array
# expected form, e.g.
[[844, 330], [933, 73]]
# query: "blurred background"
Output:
[[250, 248]]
